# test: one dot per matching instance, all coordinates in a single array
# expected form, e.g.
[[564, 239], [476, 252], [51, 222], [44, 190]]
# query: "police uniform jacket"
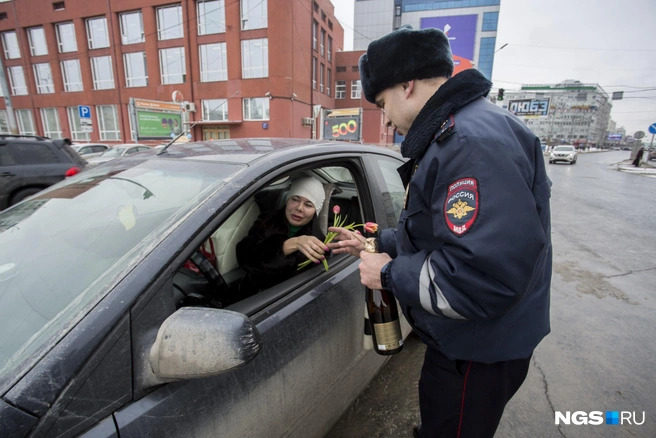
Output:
[[472, 253]]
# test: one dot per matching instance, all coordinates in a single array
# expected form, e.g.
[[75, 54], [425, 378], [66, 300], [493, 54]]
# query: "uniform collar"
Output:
[[454, 94]]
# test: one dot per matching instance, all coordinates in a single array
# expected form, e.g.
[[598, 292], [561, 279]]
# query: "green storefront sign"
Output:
[[155, 124]]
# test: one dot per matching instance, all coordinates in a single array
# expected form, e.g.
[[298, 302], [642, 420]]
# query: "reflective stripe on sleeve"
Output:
[[425, 297]]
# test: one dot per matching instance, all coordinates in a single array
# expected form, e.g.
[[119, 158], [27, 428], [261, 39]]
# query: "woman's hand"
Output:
[[346, 241], [312, 247]]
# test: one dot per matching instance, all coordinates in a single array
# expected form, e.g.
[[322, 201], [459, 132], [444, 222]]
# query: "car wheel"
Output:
[[550, 162], [574, 162], [22, 194]]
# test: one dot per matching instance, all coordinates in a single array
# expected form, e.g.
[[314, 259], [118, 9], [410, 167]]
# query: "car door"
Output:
[[10, 171], [311, 365]]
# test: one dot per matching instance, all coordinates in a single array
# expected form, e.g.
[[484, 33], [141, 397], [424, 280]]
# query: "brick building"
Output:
[[249, 68]]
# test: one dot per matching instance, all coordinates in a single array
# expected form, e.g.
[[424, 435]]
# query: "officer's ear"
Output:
[[407, 88]]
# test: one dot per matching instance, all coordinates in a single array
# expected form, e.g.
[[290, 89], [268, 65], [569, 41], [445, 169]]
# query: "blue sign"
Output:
[[84, 111], [652, 128], [459, 29]]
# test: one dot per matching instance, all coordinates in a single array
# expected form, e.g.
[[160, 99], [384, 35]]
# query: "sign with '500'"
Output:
[[342, 128]]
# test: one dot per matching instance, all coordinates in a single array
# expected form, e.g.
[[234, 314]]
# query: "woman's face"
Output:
[[299, 211]]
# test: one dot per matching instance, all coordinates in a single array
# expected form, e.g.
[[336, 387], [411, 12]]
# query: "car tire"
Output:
[[22, 194], [574, 162], [550, 162]]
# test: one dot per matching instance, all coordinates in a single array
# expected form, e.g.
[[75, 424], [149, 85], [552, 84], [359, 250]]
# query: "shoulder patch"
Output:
[[461, 205]]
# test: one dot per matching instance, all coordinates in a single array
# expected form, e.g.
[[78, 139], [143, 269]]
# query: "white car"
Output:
[[118, 151], [90, 150], [565, 152]]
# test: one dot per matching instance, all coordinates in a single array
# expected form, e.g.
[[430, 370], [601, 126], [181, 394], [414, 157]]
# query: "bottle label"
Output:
[[388, 335]]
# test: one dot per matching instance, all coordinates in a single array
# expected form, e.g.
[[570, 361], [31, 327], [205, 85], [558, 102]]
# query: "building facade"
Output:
[[569, 112], [471, 25], [249, 68]]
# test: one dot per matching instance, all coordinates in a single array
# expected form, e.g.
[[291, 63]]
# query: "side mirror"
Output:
[[199, 342]]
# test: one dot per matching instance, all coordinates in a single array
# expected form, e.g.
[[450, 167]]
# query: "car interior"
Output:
[[211, 276]]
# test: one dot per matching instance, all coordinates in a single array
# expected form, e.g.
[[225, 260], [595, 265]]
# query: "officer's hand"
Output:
[[312, 247], [346, 241], [370, 267]]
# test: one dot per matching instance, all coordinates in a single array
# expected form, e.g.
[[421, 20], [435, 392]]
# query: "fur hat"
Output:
[[404, 55], [310, 188]]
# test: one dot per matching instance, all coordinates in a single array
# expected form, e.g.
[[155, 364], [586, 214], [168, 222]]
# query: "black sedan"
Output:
[[106, 331]]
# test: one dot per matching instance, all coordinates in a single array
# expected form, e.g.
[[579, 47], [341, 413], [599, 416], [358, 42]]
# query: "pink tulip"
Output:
[[336, 209], [371, 227]]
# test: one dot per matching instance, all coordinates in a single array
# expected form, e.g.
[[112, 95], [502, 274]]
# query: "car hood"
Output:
[[98, 160]]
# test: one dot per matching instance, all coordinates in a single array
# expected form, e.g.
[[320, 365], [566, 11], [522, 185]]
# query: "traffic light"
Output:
[[500, 95]]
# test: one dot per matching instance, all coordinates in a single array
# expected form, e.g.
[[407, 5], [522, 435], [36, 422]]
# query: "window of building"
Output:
[[108, 122], [314, 73], [72, 75], [17, 81], [172, 65], [355, 68], [136, 73], [323, 16], [330, 49], [340, 89], [321, 69], [213, 62], [37, 38], [169, 22], [43, 78], [256, 108], [255, 58], [315, 5], [59, 6], [490, 20], [322, 42], [486, 56], [103, 73], [330, 25], [328, 82], [132, 30], [314, 35], [211, 16], [215, 109], [25, 122], [50, 120], [356, 89], [253, 14], [4, 123], [10, 44], [66, 41], [97, 33], [74, 122]]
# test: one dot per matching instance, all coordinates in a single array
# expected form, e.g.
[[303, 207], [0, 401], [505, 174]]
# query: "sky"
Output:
[[608, 42]]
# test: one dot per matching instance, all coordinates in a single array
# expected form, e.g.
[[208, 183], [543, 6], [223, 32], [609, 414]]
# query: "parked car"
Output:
[[118, 151], [566, 153], [29, 164], [105, 331], [90, 150]]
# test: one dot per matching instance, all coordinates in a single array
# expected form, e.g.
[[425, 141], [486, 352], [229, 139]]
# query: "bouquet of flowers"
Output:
[[370, 227]]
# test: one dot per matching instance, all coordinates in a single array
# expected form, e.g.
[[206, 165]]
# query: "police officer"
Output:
[[470, 260]]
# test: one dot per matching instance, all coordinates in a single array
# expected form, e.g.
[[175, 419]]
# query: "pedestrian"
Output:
[[470, 259], [280, 240], [638, 158]]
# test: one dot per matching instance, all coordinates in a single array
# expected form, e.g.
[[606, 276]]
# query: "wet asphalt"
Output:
[[601, 353]]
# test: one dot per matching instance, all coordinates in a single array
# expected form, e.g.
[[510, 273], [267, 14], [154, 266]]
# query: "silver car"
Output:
[[90, 150], [566, 153], [118, 151]]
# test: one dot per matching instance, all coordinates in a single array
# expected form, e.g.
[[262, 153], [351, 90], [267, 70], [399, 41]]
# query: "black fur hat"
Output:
[[404, 55]]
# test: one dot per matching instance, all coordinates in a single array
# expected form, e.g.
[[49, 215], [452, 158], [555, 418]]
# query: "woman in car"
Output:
[[278, 241]]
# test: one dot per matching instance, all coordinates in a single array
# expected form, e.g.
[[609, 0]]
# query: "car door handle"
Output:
[[7, 174]]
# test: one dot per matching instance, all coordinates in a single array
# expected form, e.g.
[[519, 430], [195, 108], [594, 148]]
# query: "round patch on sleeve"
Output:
[[461, 205]]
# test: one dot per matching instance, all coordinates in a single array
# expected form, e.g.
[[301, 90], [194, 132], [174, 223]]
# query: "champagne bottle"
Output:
[[383, 317]]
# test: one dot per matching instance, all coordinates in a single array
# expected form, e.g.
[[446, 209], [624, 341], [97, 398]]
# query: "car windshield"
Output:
[[64, 249], [115, 152], [563, 148]]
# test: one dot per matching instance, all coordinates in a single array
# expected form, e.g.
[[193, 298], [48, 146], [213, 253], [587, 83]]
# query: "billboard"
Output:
[[614, 137], [461, 31], [153, 124], [529, 107], [342, 128], [155, 119]]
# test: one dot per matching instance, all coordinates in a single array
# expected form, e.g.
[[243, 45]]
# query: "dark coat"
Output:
[[472, 250], [260, 252]]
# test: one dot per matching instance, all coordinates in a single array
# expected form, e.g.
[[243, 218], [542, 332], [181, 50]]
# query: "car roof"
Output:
[[248, 150]]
